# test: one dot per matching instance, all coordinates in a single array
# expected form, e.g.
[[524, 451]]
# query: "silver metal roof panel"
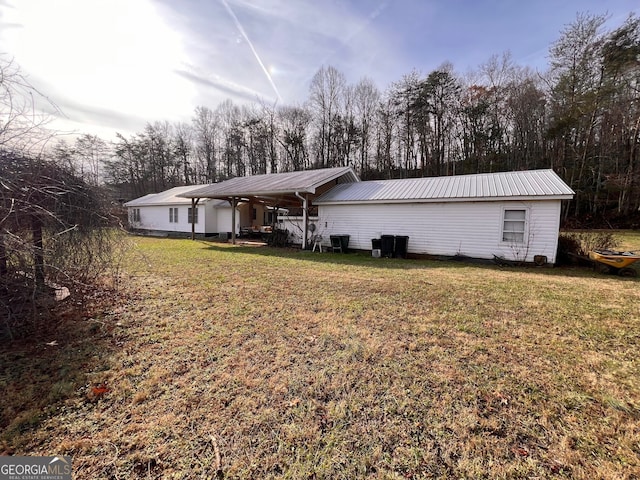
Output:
[[484, 186], [167, 197], [305, 181]]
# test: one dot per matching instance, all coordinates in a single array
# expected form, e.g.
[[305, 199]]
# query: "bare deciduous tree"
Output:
[[22, 125], [327, 88]]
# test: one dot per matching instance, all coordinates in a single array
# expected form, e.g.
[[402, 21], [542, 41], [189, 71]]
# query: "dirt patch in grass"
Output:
[[237, 362]]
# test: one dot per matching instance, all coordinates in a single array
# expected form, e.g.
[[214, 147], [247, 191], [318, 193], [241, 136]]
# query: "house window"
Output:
[[191, 217], [254, 213], [513, 226], [135, 214], [173, 215]]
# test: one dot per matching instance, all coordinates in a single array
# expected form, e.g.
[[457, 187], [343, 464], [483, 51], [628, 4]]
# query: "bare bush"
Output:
[[54, 232], [581, 243]]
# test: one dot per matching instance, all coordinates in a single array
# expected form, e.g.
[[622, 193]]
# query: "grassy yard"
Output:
[[245, 362]]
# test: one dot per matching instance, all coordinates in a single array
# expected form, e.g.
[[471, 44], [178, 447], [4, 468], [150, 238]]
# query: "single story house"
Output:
[[167, 212], [514, 215]]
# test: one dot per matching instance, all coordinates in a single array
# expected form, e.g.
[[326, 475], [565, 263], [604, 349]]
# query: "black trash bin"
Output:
[[344, 240], [387, 244], [401, 246]]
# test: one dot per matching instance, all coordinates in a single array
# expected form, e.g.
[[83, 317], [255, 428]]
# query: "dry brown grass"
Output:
[[238, 362]]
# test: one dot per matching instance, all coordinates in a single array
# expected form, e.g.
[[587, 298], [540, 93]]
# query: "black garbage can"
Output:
[[401, 246], [387, 243], [344, 240]]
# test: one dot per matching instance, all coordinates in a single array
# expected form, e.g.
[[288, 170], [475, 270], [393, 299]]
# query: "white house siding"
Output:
[[224, 221], [473, 229], [156, 218], [294, 225], [210, 217]]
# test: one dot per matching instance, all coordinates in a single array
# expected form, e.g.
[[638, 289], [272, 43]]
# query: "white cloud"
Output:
[[293, 39], [119, 55], [124, 62], [108, 61]]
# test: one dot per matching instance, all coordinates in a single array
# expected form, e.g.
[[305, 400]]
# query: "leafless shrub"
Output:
[[581, 243], [54, 233]]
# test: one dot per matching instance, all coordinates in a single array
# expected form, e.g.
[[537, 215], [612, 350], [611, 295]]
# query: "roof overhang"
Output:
[[170, 203], [275, 189]]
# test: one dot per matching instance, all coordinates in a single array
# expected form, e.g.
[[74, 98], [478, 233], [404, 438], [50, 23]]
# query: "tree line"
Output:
[[581, 118]]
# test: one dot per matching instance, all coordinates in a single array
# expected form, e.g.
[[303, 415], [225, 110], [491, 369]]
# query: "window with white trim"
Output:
[[135, 214], [173, 214], [192, 218], [514, 225]]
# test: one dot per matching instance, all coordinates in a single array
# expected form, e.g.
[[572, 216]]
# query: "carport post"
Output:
[[193, 224], [304, 218], [305, 222], [233, 220], [194, 204]]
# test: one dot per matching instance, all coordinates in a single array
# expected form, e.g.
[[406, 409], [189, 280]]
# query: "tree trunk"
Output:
[[38, 254], [4, 271]]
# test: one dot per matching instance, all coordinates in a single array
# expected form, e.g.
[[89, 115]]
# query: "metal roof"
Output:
[[274, 183], [170, 197], [484, 186]]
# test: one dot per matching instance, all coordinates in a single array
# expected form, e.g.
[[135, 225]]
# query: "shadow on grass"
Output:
[[364, 258], [40, 372]]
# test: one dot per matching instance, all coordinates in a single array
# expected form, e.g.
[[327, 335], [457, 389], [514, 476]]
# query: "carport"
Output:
[[277, 190]]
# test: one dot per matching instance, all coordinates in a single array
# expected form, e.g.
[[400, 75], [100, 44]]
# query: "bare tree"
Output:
[[436, 109], [294, 122], [527, 106], [618, 165], [386, 133], [270, 119], [404, 98], [206, 126], [183, 141], [233, 139], [366, 99], [22, 125], [91, 152], [326, 91], [576, 97], [256, 142]]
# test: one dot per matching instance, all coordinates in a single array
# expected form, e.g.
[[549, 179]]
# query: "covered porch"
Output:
[[258, 198]]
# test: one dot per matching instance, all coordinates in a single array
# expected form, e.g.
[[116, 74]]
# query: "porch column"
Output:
[[233, 220], [305, 221], [194, 205], [193, 224]]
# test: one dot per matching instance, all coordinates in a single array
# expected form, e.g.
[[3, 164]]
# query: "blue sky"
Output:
[[112, 65]]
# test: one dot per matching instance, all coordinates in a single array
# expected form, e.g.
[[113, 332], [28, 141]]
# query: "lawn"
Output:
[[244, 362]]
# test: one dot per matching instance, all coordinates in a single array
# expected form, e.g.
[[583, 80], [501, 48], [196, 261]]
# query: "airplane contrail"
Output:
[[255, 53]]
